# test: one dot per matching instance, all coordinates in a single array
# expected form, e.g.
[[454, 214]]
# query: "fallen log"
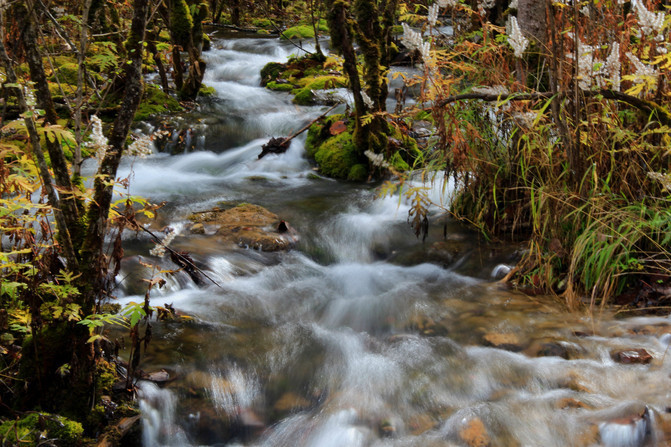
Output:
[[280, 145]]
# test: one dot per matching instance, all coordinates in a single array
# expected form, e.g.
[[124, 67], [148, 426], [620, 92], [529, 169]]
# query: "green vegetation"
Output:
[[31, 430]]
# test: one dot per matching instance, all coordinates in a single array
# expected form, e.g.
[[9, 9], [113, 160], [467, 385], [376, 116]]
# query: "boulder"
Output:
[[247, 225]]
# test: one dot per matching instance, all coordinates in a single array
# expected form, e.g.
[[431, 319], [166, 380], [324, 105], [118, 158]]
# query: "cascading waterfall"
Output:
[[352, 338]]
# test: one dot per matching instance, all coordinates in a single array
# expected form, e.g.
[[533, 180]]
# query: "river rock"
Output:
[[249, 226], [632, 428], [547, 349], [445, 252], [159, 377], [421, 423], [632, 356], [290, 401], [474, 434], [505, 340]]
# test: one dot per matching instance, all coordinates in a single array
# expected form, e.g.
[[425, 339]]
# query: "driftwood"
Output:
[[116, 432], [280, 145]]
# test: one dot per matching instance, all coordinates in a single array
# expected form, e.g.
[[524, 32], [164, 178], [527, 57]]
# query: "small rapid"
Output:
[[361, 335]]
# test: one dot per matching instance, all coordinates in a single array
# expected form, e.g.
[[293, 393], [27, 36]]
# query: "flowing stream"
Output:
[[352, 338]]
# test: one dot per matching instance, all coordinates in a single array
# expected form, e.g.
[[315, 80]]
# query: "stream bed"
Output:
[[353, 338]]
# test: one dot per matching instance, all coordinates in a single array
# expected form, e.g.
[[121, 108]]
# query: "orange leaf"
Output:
[[338, 127]]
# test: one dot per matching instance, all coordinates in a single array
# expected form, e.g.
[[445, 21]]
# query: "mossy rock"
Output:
[[30, 430], [298, 32], [358, 173], [323, 82], [156, 102], [305, 97], [271, 71], [280, 87], [336, 155], [262, 23], [206, 90], [398, 162], [246, 225]]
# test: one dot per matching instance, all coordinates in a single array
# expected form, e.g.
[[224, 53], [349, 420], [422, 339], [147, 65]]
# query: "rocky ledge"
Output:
[[247, 225]]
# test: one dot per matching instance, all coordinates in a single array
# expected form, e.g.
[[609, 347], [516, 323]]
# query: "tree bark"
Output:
[[93, 256], [341, 41], [38, 153], [45, 102]]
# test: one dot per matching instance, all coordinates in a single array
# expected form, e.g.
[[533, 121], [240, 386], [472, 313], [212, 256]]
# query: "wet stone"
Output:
[[290, 401], [548, 349], [159, 377], [421, 423], [632, 356], [569, 403], [247, 225], [474, 434], [197, 228], [507, 341]]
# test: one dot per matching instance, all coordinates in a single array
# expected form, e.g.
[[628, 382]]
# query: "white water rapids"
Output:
[[353, 339]]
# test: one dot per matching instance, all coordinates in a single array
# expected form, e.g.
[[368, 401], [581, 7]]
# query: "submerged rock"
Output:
[[247, 225], [633, 429], [474, 434], [507, 341], [632, 356]]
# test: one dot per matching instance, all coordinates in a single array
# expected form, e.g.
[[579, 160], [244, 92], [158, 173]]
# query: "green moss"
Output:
[[270, 72], [262, 23], [358, 173], [65, 68], [298, 32], [398, 163], [29, 430], [322, 82], [303, 97], [206, 90], [279, 87], [337, 155], [181, 22], [207, 42], [323, 26], [156, 102], [106, 376]]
